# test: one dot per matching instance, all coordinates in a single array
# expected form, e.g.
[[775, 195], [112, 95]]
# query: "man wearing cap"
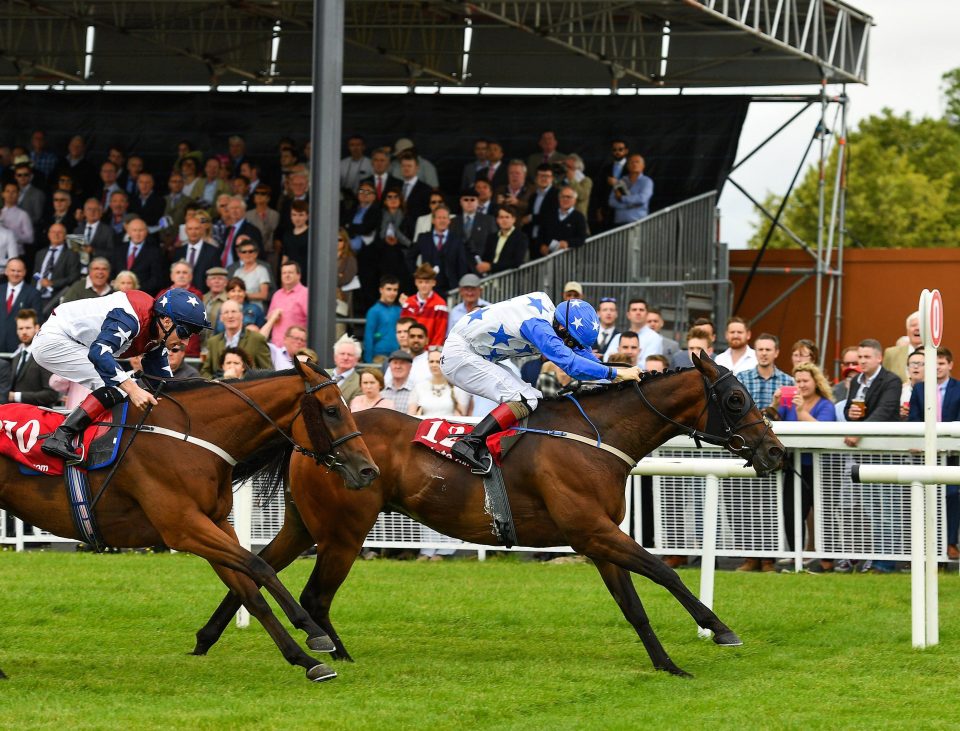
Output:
[[215, 293], [472, 226], [470, 299], [427, 172], [399, 388], [572, 290], [528, 325]]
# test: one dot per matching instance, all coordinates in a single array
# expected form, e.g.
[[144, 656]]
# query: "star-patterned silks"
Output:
[[500, 337], [192, 301], [577, 322], [576, 303], [163, 302], [477, 314], [104, 348], [168, 369], [122, 334], [536, 303], [494, 354], [596, 326], [525, 349]]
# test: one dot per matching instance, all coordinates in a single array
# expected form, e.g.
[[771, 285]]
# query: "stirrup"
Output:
[[486, 465]]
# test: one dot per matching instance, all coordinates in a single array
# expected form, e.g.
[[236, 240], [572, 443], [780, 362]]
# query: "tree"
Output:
[[903, 185]]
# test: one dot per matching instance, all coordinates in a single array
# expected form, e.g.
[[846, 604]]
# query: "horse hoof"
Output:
[[321, 643], [198, 651], [727, 639], [674, 670], [321, 672], [3, 675]]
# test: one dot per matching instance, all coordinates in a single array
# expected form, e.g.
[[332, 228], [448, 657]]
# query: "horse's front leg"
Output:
[[604, 541], [621, 588]]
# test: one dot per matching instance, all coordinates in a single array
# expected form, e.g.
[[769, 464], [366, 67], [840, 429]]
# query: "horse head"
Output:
[[733, 420], [336, 441]]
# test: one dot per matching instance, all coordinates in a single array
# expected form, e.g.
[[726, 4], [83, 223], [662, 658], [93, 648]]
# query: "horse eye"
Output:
[[332, 411]]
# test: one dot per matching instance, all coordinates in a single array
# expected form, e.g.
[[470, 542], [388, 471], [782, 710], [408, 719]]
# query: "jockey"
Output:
[[526, 325], [82, 340]]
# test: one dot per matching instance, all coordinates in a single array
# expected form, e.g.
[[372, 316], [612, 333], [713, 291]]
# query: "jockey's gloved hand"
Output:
[[627, 374]]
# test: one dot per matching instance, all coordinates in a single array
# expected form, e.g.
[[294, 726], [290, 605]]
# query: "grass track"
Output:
[[101, 642]]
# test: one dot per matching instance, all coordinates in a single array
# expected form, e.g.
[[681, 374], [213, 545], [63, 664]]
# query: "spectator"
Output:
[[404, 148], [95, 284], [55, 268], [253, 272], [485, 202], [181, 276], [507, 248], [403, 329], [234, 335], [142, 257], [424, 223], [64, 184], [371, 392], [253, 318], [601, 213], [470, 288], [147, 203], [175, 204], [347, 279], [379, 335], [288, 305], [655, 322], [650, 341], [656, 363], [804, 351], [211, 186], [630, 196], [765, 380], [629, 351], [443, 250], [575, 179], [915, 364], [415, 192], [237, 148], [134, 170], [296, 242], [476, 167], [81, 170], [235, 363], [30, 198], [698, 342], [392, 246], [472, 226], [381, 178], [739, 356], [44, 161], [875, 392], [181, 369], [812, 401], [895, 357], [365, 222], [199, 254], [434, 396], [192, 185], [948, 409], [495, 173], [267, 221], [398, 385], [346, 355], [109, 173], [238, 229], [516, 192], [294, 340], [426, 306], [98, 236], [849, 367], [607, 314], [9, 248], [566, 228], [116, 216], [572, 290], [63, 213], [30, 382], [15, 218], [17, 295], [215, 294], [548, 154], [356, 166], [544, 205], [125, 281]]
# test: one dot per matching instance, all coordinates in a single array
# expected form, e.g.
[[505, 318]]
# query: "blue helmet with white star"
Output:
[[579, 319], [185, 309]]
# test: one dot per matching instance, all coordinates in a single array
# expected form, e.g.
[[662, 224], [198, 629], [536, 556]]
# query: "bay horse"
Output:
[[179, 493], [561, 492]]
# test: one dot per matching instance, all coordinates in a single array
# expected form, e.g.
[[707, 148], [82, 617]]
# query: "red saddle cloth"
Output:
[[439, 435], [20, 428]]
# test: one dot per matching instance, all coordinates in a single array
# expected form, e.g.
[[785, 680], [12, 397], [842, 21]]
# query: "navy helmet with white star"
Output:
[[185, 309], [580, 320]]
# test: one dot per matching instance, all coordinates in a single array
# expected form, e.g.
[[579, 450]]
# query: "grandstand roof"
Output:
[[545, 43]]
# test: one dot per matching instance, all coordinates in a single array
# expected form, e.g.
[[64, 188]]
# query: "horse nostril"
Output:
[[369, 473], [775, 453]]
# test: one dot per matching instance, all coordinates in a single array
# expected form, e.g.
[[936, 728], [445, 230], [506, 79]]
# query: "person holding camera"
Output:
[[630, 196]]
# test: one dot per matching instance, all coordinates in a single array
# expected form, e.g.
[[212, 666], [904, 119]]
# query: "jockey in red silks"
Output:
[[525, 325], [82, 340]]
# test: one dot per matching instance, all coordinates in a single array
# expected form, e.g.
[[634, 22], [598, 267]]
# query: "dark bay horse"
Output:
[[179, 493], [561, 492]]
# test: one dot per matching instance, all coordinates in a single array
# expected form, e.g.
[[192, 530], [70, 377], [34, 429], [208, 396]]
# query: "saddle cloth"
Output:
[[439, 435], [22, 425]]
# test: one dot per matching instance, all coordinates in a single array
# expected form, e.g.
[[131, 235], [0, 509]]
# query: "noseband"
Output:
[[723, 415]]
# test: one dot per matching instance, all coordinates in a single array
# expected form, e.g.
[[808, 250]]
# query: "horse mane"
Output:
[[267, 468], [592, 388], [198, 383]]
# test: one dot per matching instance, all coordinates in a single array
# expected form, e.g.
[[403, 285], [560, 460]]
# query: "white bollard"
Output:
[[708, 560], [243, 525], [917, 575]]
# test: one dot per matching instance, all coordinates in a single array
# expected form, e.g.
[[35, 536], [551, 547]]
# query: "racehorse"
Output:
[[561, 492], [179, 492]]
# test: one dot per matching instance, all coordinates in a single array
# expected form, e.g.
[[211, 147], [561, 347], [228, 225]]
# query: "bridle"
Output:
[[720, 406]]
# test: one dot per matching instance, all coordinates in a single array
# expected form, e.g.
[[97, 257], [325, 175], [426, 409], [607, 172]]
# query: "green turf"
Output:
[[101, 642]]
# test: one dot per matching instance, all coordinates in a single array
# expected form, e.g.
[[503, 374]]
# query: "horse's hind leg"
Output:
[[606, 542], [621, 588], [292, 540]]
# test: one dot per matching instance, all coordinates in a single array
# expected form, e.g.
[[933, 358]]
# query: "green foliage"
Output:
[[903, 186], [101, 642]]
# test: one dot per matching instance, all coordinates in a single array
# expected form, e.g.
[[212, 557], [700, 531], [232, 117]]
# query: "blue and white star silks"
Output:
[[525, 324], [191, 300]]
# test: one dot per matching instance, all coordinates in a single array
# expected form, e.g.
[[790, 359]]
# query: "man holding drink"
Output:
[[875, 393]]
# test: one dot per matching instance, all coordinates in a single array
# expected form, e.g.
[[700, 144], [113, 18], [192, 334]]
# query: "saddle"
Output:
[[23, 427]]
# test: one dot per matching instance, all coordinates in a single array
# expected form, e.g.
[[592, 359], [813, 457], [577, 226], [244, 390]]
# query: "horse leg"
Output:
[[606, 542], [292, 540], [244, 587], [621, 588]]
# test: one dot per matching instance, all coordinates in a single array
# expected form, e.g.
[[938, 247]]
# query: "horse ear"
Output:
[[299, 367], [705, 365]]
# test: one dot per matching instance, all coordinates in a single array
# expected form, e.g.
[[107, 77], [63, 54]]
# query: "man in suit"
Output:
[[234, 335], [17, 294], [299, 186], [147, 203], [82, 171], [948, 409], [895, 357], [30, 382], [31, 199], [381, 179], [600, 213], [507, 246], [564, 228], [237, 226], [142, 257], [471, 226], [109, 173], [548, 154], [346, 355], [197, 253], [415, 193], [476, 167], [485, 203], [175, 202], [655, 322], [95, 284], [55, 268], [544, 204], [442, 249], [98, 235], [496, 171], [516, 192], [607, 315], [875, 393], [62, 212]]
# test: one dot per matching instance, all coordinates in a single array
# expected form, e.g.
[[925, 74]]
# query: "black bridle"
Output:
[[724, 415]]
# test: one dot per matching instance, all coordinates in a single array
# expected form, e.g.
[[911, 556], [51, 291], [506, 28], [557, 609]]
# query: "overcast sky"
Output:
[[911, 45]]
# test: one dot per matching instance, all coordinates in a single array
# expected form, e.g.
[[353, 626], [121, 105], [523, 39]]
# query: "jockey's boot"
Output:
[[472, 448], [59, 444]]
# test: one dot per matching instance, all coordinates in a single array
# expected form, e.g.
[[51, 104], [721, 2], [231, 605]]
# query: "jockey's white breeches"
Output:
[[475, 374]]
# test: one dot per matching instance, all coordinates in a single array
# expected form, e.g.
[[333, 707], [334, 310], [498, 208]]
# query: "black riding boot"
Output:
[[59, 444], [472, 448]]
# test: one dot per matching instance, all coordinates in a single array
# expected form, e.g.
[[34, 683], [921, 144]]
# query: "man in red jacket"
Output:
[[426, 306]]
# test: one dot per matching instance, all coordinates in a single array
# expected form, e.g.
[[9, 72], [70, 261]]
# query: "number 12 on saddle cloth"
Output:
[[439, 436]]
